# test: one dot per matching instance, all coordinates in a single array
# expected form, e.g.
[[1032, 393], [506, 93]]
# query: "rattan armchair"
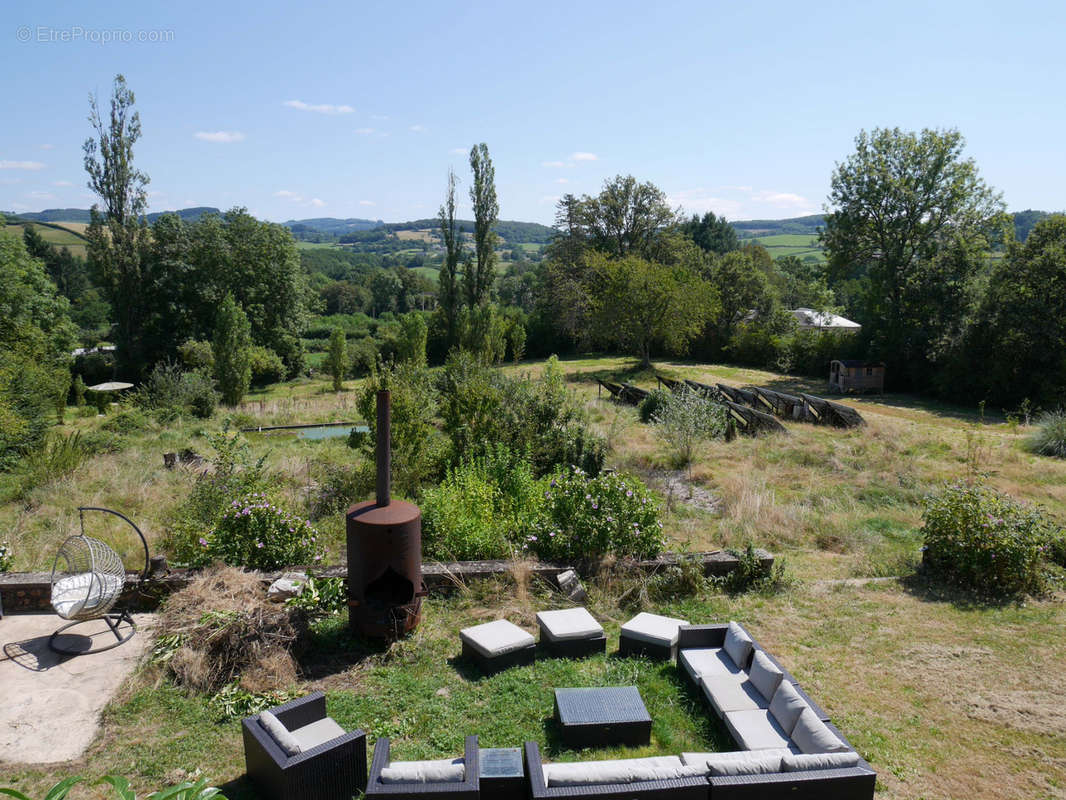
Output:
[[334, 770]]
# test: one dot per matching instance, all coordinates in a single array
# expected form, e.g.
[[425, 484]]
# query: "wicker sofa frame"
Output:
[[672, 789], [573, 648], [492, 665], [846, 783], [334, 770], [469, 789]]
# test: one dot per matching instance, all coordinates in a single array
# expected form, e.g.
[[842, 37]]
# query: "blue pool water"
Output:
[[330, 432]]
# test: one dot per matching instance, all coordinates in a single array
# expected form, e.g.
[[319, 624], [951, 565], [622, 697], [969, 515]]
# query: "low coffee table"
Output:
[[502, 773], [602, 717]]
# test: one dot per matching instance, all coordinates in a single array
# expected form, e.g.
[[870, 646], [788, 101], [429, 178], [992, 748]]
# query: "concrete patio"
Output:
[[50, 704]]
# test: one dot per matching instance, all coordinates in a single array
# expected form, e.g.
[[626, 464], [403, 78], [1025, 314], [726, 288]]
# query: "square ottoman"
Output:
[[498, 645], [650, 635], [571, 633]]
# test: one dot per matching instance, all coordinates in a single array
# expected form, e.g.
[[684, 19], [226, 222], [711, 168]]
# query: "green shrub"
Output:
[[751, 575], [987, 542], [59, 457], [267, 366], [586, 518], [1049, 439], [7, 557], [463, 518], [127, 421], [234, 474], [197, 354], [169, 391], [253, 532], [687, 418], [651, 404], [338, 486], [320, 597]]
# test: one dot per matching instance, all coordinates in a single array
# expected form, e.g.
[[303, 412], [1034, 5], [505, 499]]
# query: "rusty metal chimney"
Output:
[[384, 536]]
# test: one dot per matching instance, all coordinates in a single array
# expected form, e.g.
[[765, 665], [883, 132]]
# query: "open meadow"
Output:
[[944, 696]]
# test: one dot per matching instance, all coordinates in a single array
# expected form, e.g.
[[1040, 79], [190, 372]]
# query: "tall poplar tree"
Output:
[[448, 286], [232, 350], [478, 280], [118, 232]]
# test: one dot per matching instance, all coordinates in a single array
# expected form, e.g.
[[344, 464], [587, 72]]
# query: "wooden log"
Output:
[[669, 383]]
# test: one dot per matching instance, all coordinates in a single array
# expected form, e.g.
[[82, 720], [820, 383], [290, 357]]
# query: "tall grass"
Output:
[[1049, 438]]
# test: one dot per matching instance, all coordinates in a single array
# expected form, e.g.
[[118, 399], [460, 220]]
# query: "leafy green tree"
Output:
[[337, 358], [231, 345], [35, 340], [686, 418], [414, 332], [636, 304], [118, 233], [478, 281], [910, 218], [627, 218], [744, 293], [448, 298], [1018, 336], [385, 287], [801, 284], [711, 234]]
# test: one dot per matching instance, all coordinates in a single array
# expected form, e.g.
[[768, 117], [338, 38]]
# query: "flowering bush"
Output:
[[585, 518], [7, 558], [255, 533], [987, 542]]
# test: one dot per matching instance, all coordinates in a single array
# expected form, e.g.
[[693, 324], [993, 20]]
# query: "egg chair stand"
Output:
[[87, 582]]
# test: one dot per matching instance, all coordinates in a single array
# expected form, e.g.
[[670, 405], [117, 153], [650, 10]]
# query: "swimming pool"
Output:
[[330, 432]]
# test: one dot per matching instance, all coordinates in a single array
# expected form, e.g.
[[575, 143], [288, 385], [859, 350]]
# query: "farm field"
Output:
[[927, 686], [790, 244], [59, 234]]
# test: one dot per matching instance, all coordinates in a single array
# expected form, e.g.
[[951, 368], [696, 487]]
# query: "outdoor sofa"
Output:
[[321, 762], [786, 742]]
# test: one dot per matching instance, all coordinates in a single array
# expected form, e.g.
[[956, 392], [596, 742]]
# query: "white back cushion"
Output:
[[737, 762], [764, 675], [625, 770], [812, 736], [797, 762], [279, 733], [786, 705], [737, 645]]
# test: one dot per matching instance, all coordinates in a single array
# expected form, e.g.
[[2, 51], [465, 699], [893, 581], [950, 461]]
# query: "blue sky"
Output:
[[358, 109]]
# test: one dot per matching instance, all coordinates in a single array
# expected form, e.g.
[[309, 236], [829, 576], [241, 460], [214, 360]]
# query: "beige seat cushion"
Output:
[[653, 629], [700, 662], [764, 674], [738, 644], [446, 770], [755, 730], [568, 624], [797, 762], [786, 705], [75, 593], [625, 770], [318, 732], [496, 638], [728, 694], [280, 734]]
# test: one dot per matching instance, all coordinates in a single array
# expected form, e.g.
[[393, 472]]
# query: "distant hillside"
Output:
[[760, 228], [330, 225], [512, 231], [82, 214]]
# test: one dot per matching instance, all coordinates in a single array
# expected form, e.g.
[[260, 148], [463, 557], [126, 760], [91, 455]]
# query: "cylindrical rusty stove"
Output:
[[385, 588]]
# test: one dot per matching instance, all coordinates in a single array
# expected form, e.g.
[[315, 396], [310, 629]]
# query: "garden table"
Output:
[[601, 717]]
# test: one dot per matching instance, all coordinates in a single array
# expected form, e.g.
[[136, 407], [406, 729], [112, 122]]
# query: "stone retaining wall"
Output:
[[31, 591]]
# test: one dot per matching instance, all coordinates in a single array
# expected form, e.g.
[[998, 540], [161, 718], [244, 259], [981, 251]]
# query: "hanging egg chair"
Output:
[[87, 581]]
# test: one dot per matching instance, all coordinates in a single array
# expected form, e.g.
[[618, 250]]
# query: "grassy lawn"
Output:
[[791, 244], [945, 698]]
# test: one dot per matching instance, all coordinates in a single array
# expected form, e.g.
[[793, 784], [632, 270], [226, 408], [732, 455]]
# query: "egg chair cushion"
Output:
[[85, 592]]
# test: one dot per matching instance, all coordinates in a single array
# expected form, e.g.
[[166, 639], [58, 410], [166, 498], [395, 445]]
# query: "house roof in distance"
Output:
[[809, 318]]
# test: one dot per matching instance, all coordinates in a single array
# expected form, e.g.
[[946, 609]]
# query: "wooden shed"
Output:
[[856, 376]]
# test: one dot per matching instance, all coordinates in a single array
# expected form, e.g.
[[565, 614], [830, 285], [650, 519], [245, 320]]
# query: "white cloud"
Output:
[[550, 198], [314, 201], [379, 117], [367, 203], [319, 108], [220, 137], [42, 195], [552, 164], [48, 147], [458, 151], [62, 183], [364, 131], [9, 181], [561, 180], [783, 200], [700, 201], [418, 128], [579, 156], [288, 195], [31, 165], [19, 207]]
